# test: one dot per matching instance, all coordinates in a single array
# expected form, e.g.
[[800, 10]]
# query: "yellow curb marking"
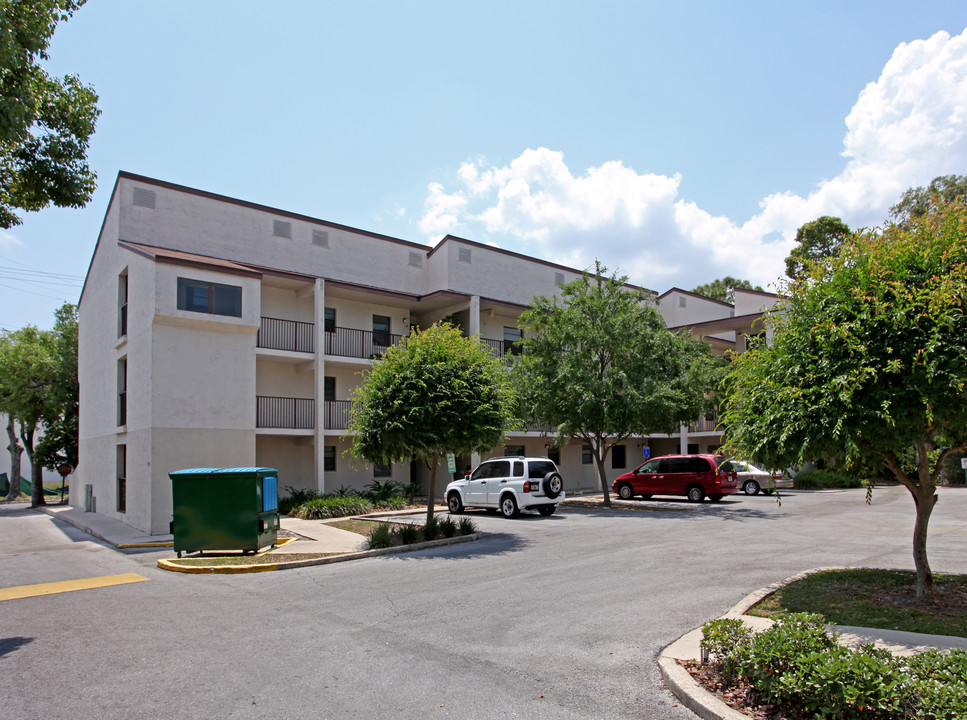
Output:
[[52, 588]]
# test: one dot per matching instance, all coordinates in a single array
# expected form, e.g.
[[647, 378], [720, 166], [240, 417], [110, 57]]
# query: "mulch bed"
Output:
[[740, 696]]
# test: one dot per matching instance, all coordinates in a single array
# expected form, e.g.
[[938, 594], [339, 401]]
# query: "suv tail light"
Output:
[[527, 486]]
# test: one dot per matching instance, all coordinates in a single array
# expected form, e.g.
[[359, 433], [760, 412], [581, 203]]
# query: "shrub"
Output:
[[344, 491], [332, 507], [295, 498], [380, 492], [773, 652], [393, 503], [447, 527], [467, 527], [720, 638], [797, 663], [820, 479], [430, 529], [380, 537], [410, 491], [408, 534]]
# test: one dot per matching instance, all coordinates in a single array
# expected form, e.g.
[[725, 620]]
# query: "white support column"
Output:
[[319, 366], [683, 444]]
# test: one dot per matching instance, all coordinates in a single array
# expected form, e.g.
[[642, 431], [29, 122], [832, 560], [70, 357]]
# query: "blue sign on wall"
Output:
[[646, 451]]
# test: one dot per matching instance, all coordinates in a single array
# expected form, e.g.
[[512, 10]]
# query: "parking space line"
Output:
[[52, 588]]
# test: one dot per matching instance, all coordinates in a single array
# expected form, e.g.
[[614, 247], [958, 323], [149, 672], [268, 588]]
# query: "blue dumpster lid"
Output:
[[224, 471]]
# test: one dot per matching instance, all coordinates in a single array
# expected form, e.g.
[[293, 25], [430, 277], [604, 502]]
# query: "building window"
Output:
[[330, 320], [123, 304], [122, 474], [513, 450], [211, 298], [381, 330], [122, 391], [329, 458], [619, 457], [586, 457], [381, 470], [329, 388], [554, 455], [512, 336]]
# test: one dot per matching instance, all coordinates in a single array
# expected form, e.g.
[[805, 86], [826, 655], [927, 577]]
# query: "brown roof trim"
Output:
[[757, 292], [521, 256], [751, 317], [184, 259], [264, 208], [694, 295]]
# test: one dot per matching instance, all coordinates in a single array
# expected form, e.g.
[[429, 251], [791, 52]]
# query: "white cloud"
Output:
[[8, 240], [907, 127]]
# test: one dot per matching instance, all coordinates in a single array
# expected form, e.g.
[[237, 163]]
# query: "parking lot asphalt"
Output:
[[567, 616]]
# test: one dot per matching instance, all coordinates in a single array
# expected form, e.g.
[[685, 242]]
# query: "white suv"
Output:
[[509, 484]]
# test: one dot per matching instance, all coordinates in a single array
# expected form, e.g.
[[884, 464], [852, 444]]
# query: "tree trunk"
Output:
[[599, 458], [924, 497], [16, 453], [36, 469], [431, 496]]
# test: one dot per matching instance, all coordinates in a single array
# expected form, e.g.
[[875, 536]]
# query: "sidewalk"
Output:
[[313, 536]]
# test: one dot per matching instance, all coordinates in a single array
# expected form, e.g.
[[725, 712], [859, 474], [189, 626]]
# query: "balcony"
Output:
[[337, 414], [291, 335], [709, 423], [367, 344], [285, 413]]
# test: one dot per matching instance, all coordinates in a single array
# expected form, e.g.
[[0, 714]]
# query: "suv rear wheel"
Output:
[[508, 506]]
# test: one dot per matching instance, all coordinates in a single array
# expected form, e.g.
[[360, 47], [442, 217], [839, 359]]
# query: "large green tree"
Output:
[[27, 373], [600, 366], [868, 365], [436, 393], [816, 241], [60, 416], [45, 122], [724, 289], [920, 200]]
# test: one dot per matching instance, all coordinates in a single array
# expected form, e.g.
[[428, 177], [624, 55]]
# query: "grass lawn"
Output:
[[883, 599]]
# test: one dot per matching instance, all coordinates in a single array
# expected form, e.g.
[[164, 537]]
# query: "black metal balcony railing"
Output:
[[347, 342], [285, 412], [276, 334], [501, 347], [337, 414]]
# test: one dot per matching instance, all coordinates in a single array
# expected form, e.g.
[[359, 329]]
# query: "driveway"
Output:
[[557, 617]]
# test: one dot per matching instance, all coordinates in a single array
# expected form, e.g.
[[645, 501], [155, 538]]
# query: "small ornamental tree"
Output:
[[600, 366], [868, 365], [436, 393]]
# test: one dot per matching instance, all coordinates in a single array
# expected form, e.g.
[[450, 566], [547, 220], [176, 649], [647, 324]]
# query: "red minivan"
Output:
[[694, 476]]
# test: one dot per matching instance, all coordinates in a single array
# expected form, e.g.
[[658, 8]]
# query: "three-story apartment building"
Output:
[[217, 332]]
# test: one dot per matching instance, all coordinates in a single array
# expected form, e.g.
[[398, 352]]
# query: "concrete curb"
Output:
[[269, 567]]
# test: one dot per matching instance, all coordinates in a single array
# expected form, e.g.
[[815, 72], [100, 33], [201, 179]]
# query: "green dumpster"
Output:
[[224, 509]]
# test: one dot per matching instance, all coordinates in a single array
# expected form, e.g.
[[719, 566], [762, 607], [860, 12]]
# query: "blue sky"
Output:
[[677, 142]]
